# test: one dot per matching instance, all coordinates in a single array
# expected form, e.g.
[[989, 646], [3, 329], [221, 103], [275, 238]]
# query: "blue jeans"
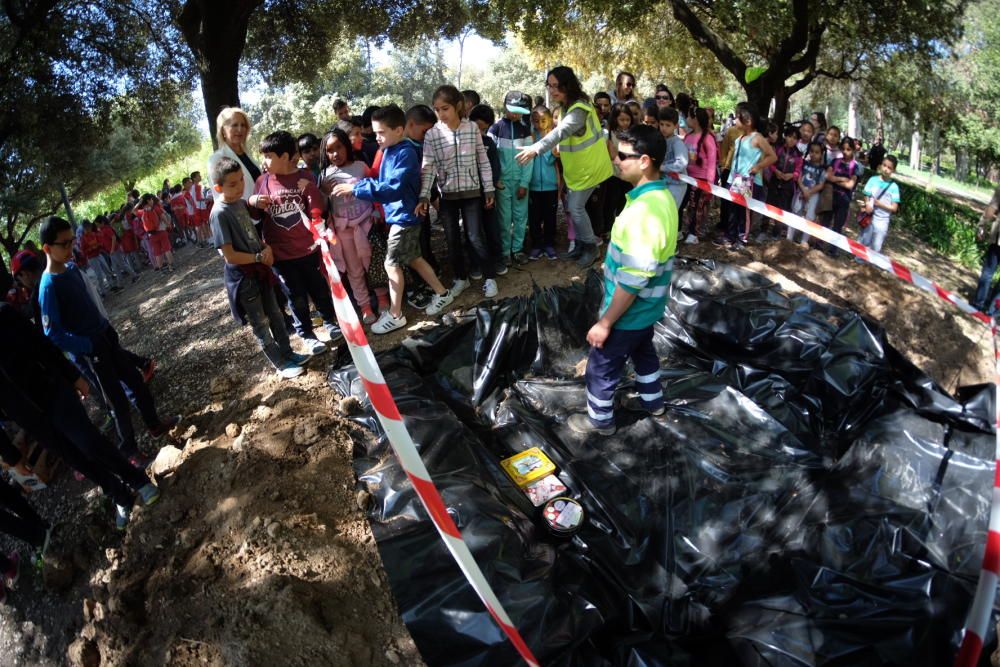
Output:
[[983, 300]]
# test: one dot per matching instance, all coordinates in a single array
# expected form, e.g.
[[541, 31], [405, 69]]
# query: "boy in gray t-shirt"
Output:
[[248, 277]]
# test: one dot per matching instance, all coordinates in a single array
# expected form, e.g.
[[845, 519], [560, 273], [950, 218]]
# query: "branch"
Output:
[[709, 39], [808, 59]]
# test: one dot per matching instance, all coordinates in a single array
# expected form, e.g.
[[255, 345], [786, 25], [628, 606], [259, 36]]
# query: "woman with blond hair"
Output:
[[232, 130]]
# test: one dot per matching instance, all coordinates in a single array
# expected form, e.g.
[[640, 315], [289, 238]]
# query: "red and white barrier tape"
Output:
[[849, 245], [982, 604], [402, 443]]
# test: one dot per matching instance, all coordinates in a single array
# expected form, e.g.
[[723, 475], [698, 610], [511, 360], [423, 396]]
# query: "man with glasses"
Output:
[[637, 271]]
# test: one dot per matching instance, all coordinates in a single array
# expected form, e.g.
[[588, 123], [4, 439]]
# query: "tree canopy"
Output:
[[69, 72]]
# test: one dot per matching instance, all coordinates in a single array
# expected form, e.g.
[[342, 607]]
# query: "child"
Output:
[[93, 252], [200, 199], [882, 201], [511, 134], [41, 392], [806, 132], [309, 152], [419, 119], [154, 223], [703, 155], [543, 190], [484, 118], [350, 216], [637, 272], [751, 156], [247, 274], [619, 120], [284, 192], [651, 116], [676, 158], [786, 170], [810, 183], [843, 173], [113, 243], [455, 155], [73, 320], [397, 189], [179, 205]]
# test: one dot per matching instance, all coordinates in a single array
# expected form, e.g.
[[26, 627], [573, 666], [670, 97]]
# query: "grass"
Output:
[[945, 226], [931, 181], [113, 197]]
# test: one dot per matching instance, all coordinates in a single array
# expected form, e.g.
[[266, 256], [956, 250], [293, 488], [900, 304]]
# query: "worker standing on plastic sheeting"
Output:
[[637, 271]]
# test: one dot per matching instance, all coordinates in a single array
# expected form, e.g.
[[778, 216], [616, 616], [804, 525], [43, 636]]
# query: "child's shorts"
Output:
[[159, 243], [201, 217], [403, 246]]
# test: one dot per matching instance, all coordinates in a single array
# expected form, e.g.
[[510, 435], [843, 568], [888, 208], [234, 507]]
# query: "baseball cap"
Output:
[[24, 260], [517, 102]]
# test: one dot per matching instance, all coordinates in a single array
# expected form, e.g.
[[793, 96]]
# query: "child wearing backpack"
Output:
[[810, 183], [843, 174]]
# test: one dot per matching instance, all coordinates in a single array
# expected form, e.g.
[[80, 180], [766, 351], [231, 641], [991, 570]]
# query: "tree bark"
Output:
[[852, 109], [961, 165], [216, 33], [915, 144]]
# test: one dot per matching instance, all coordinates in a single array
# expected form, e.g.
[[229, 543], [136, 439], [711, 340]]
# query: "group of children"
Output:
[[375, 181], [114, 248]]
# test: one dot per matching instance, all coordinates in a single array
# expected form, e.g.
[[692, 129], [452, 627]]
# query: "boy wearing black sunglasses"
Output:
[[637, 271]]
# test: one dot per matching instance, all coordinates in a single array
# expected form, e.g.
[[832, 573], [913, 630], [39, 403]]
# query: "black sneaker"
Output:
[[420, 298]]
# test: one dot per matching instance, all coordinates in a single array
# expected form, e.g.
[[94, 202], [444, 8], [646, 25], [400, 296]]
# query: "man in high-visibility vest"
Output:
[[637, 271]]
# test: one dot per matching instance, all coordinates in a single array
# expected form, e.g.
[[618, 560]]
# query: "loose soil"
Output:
[[258, 552]]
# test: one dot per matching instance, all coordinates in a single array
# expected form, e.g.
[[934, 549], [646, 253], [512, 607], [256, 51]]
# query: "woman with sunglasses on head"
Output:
[[583, 153], [624, 88]]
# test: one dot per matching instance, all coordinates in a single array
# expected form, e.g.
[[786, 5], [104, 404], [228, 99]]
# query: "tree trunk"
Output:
[[852, 109], [781, 102], [216, 33], [936, 142], [880, 124], [915, 144], [961, 165]]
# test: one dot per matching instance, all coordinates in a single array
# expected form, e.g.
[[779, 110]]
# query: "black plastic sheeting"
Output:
[[809, 498]]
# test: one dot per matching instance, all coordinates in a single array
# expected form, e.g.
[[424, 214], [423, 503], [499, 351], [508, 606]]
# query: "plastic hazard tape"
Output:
[[849, 245], [982, 604], [402, 443]]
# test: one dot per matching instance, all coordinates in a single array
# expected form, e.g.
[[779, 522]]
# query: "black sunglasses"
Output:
[[663, 97], [628, 156]]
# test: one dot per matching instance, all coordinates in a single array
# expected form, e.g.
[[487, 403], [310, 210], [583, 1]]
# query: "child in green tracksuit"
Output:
[[511, 135]]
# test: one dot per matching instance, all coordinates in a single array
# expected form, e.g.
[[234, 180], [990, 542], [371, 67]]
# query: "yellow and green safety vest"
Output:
[[585, 160]]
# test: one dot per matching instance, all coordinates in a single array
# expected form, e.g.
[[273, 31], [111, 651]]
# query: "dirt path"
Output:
[[974, 200], [258, 552]]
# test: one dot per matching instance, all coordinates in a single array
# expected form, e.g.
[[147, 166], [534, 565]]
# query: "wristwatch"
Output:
[[258, 258]]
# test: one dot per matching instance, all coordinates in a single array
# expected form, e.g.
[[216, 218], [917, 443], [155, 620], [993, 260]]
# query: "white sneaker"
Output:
[[571, 247], [691, 239], [458, 287], [386, 323], [438, 303], [315, 346], [490, 288]]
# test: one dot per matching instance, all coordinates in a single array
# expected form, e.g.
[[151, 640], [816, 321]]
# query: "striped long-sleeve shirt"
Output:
[[457, 158]]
